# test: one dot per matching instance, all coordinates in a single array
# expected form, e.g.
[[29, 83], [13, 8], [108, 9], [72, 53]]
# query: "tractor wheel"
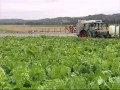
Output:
[[83, 34]]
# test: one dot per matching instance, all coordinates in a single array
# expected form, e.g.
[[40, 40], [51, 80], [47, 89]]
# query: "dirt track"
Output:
[[37, 34]]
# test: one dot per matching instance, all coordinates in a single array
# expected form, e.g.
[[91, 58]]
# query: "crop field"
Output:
[[59, 63], [26, 28]]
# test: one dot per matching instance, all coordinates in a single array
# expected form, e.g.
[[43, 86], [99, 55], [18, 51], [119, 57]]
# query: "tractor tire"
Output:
[[83, 34]]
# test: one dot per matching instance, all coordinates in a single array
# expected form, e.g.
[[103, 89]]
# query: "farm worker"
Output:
[[107, 26], [92, 27], [74, 27], [70, 28]]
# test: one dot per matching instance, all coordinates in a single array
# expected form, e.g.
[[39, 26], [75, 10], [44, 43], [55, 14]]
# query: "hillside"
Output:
[[112, 19]]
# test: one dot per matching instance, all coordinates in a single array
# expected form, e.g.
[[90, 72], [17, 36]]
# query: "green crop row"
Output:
[[59, 63]]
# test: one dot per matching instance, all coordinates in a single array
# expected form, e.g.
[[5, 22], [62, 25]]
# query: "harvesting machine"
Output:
[[96, 28]]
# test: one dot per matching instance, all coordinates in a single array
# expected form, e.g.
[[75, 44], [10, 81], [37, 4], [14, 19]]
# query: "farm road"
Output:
[[37, 34]]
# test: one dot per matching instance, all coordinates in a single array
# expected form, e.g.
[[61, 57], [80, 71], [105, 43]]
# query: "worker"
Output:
[[107, 26], [70, 27], [92, 27]]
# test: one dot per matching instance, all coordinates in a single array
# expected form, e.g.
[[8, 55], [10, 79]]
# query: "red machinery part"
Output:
[[83, 34]]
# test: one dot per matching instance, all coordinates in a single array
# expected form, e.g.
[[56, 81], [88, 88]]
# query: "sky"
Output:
[[38, 9]]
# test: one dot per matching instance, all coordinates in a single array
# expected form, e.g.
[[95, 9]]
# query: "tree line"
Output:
[[110, 19]]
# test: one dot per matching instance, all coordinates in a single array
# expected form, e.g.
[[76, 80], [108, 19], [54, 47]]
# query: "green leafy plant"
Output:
[[59, 63]]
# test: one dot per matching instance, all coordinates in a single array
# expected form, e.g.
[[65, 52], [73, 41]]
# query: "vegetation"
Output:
[[110, 19], [59, 63]]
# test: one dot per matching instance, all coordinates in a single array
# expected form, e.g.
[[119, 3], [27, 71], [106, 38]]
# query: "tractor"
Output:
[[92, 28]]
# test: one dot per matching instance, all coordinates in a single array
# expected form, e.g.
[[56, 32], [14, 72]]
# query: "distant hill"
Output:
[[112, 19]]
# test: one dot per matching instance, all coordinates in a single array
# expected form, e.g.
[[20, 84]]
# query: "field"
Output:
[[59, 63], [27, 28]]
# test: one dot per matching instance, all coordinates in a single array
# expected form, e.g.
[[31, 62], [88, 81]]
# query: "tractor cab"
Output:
[[91, 28]]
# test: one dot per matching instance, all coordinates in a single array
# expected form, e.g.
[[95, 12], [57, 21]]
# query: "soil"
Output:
[[37, 34]]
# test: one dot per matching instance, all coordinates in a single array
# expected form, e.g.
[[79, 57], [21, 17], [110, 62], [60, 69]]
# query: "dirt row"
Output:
[[37, 34]]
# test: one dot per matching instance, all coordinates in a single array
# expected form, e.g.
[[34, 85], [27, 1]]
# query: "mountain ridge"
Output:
[[113, 19]]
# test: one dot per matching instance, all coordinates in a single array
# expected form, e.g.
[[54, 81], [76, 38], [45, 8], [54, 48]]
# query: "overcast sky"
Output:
[[37, 9]]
